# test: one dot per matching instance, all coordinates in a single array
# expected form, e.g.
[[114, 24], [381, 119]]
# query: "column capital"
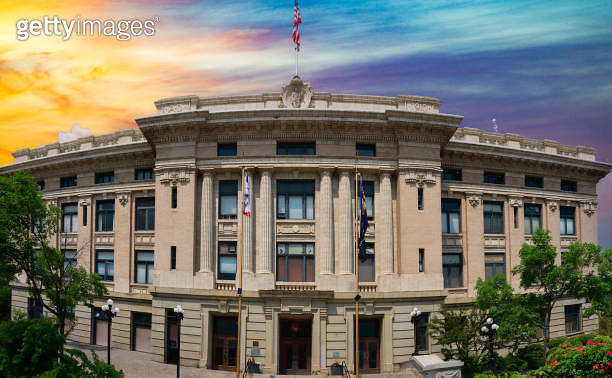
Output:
[[207, 171], [386, 173], [326, 172]]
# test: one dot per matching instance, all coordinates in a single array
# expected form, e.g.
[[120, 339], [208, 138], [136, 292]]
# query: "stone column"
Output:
[[384, 223], [326, 247], [265, 249], [247, 225], [207, 223], [345, 228]]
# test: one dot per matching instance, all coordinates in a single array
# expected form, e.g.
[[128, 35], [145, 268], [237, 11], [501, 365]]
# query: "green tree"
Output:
[[26, 227]]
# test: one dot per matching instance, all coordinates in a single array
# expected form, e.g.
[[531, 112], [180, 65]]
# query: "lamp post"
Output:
[[414, 318], [178, 310], [490, 330], [110, 313]]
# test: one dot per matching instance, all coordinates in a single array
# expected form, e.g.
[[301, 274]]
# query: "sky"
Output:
[[542, 69]]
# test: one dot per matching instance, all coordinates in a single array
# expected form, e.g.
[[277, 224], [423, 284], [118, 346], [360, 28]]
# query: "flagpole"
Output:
[[239, 292], [356, 235]]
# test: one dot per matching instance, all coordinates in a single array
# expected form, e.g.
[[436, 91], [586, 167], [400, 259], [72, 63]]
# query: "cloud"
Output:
[[75, 133]]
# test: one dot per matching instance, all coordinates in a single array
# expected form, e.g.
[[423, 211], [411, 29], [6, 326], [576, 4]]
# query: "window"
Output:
[[451, 216], [144, 267], [296, 148], [515, 211], [494, 178], [421, 259], [228, 199], [368, 191], [569, 186], [533, 182], [421, 343], [173, 257], [69, 217], [144, 174], [568, 215], [227, 261], [70, 258], [66, 182], [105, 265], [451, 174], [495, 263], [493, 217], [367, 272], [227, 149], [141, 332], [295, 199], [35, 308], [105, 215], [572, 319], [366, 149], [420, 198], [84, 215], [174, 197], [105, 177], [295, 262], [452, 269], [145, 214], [41, 184], [532, 218]]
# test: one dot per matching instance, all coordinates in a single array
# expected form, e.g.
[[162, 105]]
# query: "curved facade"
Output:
[[155, 212]]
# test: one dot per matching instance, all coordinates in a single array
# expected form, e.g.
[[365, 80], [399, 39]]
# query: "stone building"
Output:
[[155, 212]]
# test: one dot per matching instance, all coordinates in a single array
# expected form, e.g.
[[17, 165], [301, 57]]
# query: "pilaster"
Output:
[[345, 225], [325, 222]]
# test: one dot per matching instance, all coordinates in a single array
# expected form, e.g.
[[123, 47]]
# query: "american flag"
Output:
[[297, 20]]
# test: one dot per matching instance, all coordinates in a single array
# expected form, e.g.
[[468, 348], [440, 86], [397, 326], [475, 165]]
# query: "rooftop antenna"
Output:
[[495, 127]]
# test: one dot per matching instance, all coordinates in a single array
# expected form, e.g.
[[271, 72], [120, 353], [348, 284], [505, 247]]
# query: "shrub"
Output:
[[500, 375], [591, 360], [76, 364], [531, 355]]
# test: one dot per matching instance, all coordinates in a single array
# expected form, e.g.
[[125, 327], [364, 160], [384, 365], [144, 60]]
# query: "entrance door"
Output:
[[141, 332], [369, 345], [295, 344], [171, 337], [100, 328], [225, 340]]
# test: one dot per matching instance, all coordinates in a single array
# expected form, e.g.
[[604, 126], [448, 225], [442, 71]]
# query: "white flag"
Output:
[[247, 196]]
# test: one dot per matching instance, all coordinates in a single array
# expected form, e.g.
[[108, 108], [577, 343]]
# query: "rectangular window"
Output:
[[495, 263], [41, 184], [364, 149], [295, 199], [367, 272], [227, 149], [105, 264], [141, 332], [69, 217], [66, 182], [534, 182], [568, 216], [228, 199], [368, 191], [173, 257], [493, 217], [569, 186], [105, 177], [227, 261], [174, 197], [452, 270], [70, 258], [572, 319], [421, 342], [296, 148], [515, 210], [451, 216], [533, 218], [494, 178], [144, 267], [105, 215], [145, 214], [421, 259], [84, 215], [449, 174], [144, 174], [420, 198], [35, 308], [295, 262]]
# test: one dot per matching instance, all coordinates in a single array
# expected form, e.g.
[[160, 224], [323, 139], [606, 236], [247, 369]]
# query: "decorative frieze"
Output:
[[227, 228], [421, 177], [174, 175], [494, 242], [515, 202], [589, 207], [144, 238], [84, 202], [177, 104], [295, 228]]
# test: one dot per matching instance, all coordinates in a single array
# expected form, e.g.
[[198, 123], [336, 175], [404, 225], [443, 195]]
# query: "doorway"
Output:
[[99, 327], [225, 341], [295, 346], [369, 345], [171, 337]]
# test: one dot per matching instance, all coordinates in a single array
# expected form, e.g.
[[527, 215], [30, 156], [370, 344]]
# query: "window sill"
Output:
[[574, 333]]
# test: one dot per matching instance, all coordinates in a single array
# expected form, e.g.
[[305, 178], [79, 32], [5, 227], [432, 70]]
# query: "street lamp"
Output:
[[490, 331], [414, 318], [110, 313], [178, 310]]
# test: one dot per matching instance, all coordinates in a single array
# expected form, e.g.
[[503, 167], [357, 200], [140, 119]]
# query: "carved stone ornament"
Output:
[[85, 202], [420, 177], [553, 206], [474, 199], [174, 176], [448, 374], [123, 198], [589, 207], [516, 202], [296, 94]]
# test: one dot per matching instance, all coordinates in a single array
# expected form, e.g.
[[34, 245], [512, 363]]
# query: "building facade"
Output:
[[155, 212]]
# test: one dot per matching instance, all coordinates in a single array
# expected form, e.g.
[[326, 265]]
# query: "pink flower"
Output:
[[595, 367], [554, 360], [583, 352], [601, 370], [600, 365], [609, 353], [590, 342]]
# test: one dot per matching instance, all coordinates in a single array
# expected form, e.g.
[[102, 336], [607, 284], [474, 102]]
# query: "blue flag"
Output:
[[363, 220]]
